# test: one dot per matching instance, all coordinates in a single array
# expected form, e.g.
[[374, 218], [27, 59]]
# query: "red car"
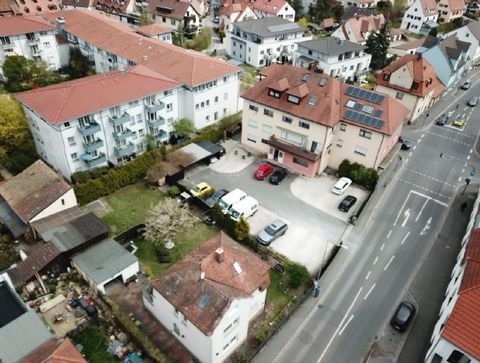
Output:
[[263, 171]]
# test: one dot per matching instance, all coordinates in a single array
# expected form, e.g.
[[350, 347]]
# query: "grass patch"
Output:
[[248, 78], [130, 206], [95, 345], [184, 243], [276, 296]]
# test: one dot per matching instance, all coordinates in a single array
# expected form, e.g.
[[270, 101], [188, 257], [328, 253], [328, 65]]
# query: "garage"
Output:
[[105, 262]]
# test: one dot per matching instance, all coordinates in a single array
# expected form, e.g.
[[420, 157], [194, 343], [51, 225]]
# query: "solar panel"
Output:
[[366, 120], [204, 301], [282, 27], [378, 113], [358, 106], [365, 95], [372, 96], [349, 91], [355, 91]]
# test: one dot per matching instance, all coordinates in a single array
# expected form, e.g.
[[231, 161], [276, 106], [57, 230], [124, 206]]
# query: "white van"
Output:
[[230, 199], [245, 208]]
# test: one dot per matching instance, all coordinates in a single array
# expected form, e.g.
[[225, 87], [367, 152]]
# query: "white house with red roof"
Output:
[[31, 37], [308, 121], [235, 12], [208, 298], [456, 336], [363, 4], [267, 8], [357, 29], [420, 17], [102, 119], [156, 31], [449, 10]]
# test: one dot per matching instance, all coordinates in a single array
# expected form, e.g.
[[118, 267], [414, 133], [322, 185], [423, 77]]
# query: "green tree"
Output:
[[242, 229], [296, 5], [322, 9], [184, 127], [78, 65], [178, 37], [297, 275], [145, 18], [201, 41], [303, 22], [377, 45]]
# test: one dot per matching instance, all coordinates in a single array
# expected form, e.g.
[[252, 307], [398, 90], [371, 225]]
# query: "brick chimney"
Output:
[[219, 255]]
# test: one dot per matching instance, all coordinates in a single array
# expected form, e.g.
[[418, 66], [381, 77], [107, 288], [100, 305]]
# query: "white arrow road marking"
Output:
[[426, 228], [407, 215]]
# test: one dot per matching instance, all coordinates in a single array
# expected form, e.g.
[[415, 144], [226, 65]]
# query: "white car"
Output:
[[341, 185]]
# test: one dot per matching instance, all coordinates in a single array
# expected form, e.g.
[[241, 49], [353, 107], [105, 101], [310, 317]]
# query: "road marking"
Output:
[[429, 177], [466, 108], [463, 171], [368, 275], [407, 216], [426, 228], [423, 135], [405, 238], [468, 157], [421, 210], [471, 151], [400, 211], [375, 261], [369, 291], [383, 246], [346, 324], [428, 190], [459, 178], [388, 263], [451, 138], [406, 160], [389, 233], [339, 327], [414, 147]]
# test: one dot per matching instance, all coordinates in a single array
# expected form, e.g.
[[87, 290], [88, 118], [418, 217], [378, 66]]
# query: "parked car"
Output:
[[200, 190], [466, 85], [277, 176], [442, 120], [406, 145], [403, 316], [347, 203], [472, 102], [459, 122], [245, 208], [263, 171], [228, 200], [341, 185], [215, 197], [216, 19], [271, 232]]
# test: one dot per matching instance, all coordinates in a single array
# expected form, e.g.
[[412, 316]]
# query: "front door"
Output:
[[275, 155]]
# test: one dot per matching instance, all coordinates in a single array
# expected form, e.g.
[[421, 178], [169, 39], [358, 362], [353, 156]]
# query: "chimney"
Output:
[[121, 69], [219, 255], [202, 275], [61, 26]]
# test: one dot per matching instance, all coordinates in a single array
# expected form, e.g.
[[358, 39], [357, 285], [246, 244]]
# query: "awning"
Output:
[[292, 149], [11, 220]]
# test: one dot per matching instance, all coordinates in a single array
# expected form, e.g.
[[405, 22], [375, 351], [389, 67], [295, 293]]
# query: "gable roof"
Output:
[[55, 351], [326, 101], [69, 100], [185, 66], [456, 5], [269, 26], [361, 26], [204, 301], [269, 6], [13, 25], [153, 29], [33, 190], [174, 9], [331, 46], [429, 7]]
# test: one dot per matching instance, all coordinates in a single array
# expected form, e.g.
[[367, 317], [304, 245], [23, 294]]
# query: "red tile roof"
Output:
[[55, 351], [331, 98], [174, 9], [12, 25], [429, 7], [269, 6], [471, 275], [185, 66], [69, 100], [423, 73], [33, 190], [153, 29], [37, 7], [112, 5], [456, 5], [182, 286], [473, 247], [361, 25], [229, 9]]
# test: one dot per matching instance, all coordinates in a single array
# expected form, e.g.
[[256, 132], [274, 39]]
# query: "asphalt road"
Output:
[[386, 249]]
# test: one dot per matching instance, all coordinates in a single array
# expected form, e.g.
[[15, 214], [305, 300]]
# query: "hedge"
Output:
[[359, 174]]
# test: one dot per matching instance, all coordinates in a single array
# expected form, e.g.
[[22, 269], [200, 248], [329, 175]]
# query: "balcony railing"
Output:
[[154, 107], [160, 135], [89, 129], [92, 146], [119, 120], [33, 40], [155, 123], [92, 160], [122, 135], [125, 150]]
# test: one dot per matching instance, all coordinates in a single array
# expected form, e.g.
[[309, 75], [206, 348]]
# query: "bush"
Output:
[[173, 191], [201, 41], [297, 275], [359, 174], [83, 176]]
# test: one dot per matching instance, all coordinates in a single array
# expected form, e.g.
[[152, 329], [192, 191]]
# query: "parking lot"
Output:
[[306, 204]]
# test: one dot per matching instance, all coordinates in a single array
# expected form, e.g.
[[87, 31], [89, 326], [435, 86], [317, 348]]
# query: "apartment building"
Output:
[[269, 8], [449, 10], [101, 120], [308, 121], [265, 41], [29, 36], [420, 17], [333, 56], [210, 86]]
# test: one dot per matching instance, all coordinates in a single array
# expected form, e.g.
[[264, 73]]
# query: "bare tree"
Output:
[[166, 219], [180, 158]]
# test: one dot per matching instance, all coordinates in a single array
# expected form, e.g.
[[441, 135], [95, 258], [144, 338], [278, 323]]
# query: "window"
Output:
[[46, 44], [139, 118], [169, 106], [287, 119], [202, 104], [253, 108], [343, 127], [399, 96], [314, 147], [170, 121], [386, 77], [251, 137], [132, 120], [293, 99], [5, 40], [208, 103], [216, 99], [267, 129], [133, 103], [365, 133], [141, 132], [172, 21], [414, 85], [301, 162], [71, 141], [339, 142], [74, 156], [207, 118], [367, 109], [274, 93], [252, 123], [304, 124], [292, 137], [268, 112], [197, 106], [360, 150], [66, 124], [215, 116]]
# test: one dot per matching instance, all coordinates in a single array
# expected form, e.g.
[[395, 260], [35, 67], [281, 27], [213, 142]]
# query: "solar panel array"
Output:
[[283, 27], [366, 120], [365, 95]]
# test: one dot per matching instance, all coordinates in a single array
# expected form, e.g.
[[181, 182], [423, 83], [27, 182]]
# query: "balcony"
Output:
[[119, 120], [89, 129], [97, 144], [155, 106], [92, 160], [160, 135], [125, 150], [156, 123], [122, 135]]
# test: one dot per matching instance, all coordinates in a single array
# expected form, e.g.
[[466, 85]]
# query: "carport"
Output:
[[11, 220]]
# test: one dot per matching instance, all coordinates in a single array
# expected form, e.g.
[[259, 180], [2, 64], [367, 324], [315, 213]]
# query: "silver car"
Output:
[[472, 102], [271, 232]]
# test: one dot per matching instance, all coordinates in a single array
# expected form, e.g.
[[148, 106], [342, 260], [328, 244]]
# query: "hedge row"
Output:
[[359, 174]]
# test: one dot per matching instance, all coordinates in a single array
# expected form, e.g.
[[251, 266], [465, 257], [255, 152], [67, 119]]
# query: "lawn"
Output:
[[185, 242], [130, 206], [248, 77], [276, 297], [95, 344]]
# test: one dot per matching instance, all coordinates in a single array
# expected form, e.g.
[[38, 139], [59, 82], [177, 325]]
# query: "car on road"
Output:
[[466, 85], [403, 316], [277, 176], [216, 19], [472, 102], [263, 171], [201, 189], [341, 185], [406, 145], [347, 203], [271, 232], [459, 122], [442, 120], [215, 197]]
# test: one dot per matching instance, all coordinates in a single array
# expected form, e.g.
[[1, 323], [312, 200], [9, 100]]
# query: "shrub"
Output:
[[173, 191], [359, 174], [83, 176], [297, 275]]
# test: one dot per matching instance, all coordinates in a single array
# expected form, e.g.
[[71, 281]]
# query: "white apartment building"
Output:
[[265, 41], [420, 17], [234, 13], [333, 56], [207, 299], [469, 33], [278, 8], [101, 120], [29, 36], [209, 87]]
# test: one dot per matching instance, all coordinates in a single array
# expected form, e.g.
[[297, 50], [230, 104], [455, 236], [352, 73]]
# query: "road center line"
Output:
[[388, 263], [375, 261], [368, 275], [340, 326], [405, 238], [389, 233], [382, 247], [346, 324], [369, 291], [421, 210]]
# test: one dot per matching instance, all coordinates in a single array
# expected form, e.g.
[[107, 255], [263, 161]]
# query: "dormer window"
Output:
[[386, 77], [415, 85], [274, 93], [293, 99]]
